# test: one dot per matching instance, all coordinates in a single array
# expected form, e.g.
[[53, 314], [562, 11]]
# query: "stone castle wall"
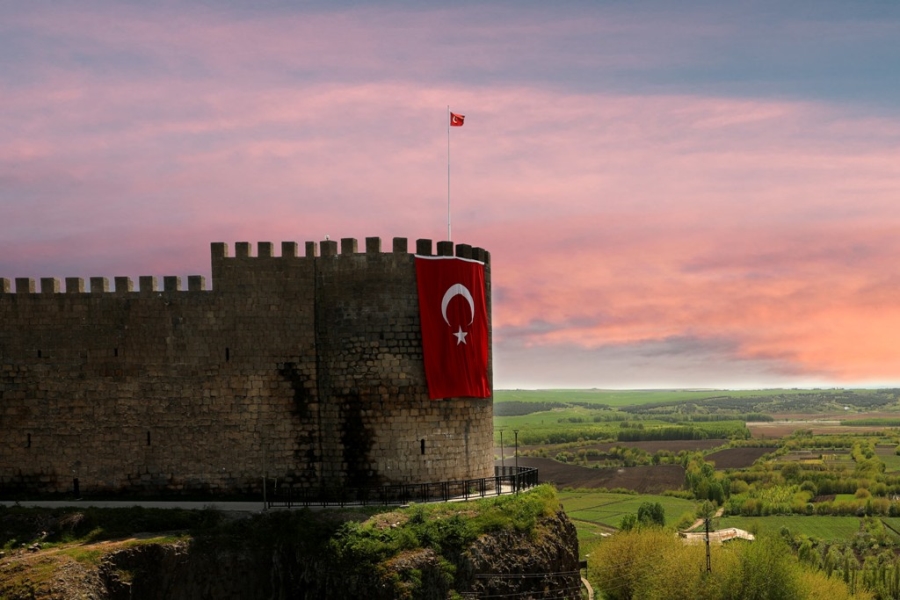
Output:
[[306, 367]]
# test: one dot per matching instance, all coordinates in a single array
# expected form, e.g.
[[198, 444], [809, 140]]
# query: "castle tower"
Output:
[[306, 367]]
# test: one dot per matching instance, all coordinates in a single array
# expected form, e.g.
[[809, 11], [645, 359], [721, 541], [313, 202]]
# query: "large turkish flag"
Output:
[[453, 312]]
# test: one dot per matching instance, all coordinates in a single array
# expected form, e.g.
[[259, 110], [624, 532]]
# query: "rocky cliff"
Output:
[[501, 562], [519, 545]]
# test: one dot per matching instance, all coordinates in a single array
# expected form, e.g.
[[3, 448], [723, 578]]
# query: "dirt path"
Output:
[[699, 522]]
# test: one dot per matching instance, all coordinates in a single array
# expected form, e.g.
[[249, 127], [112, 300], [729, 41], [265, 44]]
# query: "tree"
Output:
[[791, 472], [651, 513], [628, 523], [626, 563], [706, 510], [767, 571], [700, 477]]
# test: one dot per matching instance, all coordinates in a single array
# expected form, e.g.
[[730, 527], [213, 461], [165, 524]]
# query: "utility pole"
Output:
[[516, 431], [707, 510], [708, 563]]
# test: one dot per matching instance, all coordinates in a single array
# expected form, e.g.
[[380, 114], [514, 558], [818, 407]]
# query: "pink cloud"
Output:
[[809, 304]]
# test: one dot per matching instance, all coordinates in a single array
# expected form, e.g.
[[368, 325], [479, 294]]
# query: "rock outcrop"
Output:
[[513, 563], [504, 562]]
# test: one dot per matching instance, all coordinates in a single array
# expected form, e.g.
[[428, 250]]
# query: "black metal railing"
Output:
[[505, 480]]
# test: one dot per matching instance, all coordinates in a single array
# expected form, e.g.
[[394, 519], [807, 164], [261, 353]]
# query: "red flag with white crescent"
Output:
[[453, 312], [457, 120]]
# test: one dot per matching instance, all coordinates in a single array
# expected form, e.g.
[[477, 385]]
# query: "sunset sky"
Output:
[[674, 194]]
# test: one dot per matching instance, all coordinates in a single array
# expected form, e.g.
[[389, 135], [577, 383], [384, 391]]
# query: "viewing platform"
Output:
[[506, 480]]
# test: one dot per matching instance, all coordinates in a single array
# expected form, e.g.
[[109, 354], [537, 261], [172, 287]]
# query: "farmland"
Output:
[[817, 469], [648, 479], [632, 398], [829, 529], [737, 458], [597, 512]]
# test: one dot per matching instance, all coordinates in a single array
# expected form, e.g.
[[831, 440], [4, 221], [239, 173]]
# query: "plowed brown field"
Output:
[[644, 480], [675, 446], [736, 458], [779, 429]]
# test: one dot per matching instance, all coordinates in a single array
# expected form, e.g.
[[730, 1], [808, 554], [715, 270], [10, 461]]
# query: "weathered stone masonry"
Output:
[[307, 367]]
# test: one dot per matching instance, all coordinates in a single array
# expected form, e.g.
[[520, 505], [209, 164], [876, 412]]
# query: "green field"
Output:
[[890, 459], [892, 523], [618, 398], [550, 418], [565, 418], [596, 512], [823, 528], [845, 498], [568, 424], [872, 422]]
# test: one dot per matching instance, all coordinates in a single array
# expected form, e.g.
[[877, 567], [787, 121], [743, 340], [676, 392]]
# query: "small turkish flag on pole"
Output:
[[455, 121], [453, 315]]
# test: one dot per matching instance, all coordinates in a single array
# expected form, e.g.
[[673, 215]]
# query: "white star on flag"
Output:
[[460, 336]]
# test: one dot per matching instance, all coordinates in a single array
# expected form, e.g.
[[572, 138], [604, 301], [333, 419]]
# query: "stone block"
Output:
[[49, 285]]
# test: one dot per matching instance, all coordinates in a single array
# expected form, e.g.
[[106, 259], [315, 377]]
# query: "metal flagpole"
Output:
[[448, 174]]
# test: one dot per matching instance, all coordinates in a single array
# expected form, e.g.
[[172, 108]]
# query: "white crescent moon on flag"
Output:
[[457, 289]]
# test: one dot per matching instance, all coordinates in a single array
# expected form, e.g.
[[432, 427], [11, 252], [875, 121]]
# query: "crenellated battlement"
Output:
[[243, 250], [100, 285], [347, 246]]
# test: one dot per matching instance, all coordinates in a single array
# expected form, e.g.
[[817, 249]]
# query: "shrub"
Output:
[[651, 513], [685, 520]]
